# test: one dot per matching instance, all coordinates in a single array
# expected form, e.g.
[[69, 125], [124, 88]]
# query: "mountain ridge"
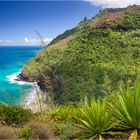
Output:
[[108, 14]]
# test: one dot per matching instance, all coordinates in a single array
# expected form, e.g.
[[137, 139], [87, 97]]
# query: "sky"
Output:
[[19, 20]]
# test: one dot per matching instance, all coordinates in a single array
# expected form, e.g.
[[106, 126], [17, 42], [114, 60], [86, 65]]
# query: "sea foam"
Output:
[[12, 79], [30, 94]]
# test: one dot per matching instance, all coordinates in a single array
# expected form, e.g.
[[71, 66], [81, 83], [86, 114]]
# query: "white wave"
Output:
[[31, 94], [12, 79]]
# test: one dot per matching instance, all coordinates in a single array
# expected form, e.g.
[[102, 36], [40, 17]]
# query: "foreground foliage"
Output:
[[96, 119], [127, 104], [115, 117]]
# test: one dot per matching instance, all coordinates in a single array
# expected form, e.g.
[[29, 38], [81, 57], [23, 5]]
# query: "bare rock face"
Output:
[[20, 77]]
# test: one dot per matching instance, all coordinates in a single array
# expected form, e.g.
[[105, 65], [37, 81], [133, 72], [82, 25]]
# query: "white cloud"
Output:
[[25, 41], [36, 41], [5, 41], [113, 3]]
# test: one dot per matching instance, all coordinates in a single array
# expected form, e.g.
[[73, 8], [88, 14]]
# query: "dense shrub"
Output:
[[14, 115]]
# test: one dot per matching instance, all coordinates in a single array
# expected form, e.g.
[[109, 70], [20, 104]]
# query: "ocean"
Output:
[[11, 61]]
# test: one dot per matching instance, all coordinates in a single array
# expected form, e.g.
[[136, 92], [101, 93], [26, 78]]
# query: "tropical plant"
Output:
[[52, 113], [58, 113], [127, 104], [65, 113], [25, 132], [96, 119]]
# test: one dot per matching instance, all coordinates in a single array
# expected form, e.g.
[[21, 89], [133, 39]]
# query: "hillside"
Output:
[[125, 19], [91, 59]]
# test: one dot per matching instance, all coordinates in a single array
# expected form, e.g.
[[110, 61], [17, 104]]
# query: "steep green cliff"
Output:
[[91, 59]]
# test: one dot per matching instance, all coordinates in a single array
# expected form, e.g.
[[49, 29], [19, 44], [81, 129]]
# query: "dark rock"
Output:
[[20, 77]]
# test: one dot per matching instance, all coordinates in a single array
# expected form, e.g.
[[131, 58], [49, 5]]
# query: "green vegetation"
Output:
[[25, 132], [89, 61], [14, 115], [96, 119], [127, 104], [117, 118], [131, 21], [63, 36], [93, 63]]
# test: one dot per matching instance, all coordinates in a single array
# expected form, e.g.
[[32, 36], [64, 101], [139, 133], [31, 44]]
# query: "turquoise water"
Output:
[[11, 61]]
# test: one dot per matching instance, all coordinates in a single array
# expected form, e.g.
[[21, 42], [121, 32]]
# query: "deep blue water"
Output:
[[11, 61]]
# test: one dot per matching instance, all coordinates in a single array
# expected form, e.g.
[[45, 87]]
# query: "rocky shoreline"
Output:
[[20, 77], [39, 99]]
